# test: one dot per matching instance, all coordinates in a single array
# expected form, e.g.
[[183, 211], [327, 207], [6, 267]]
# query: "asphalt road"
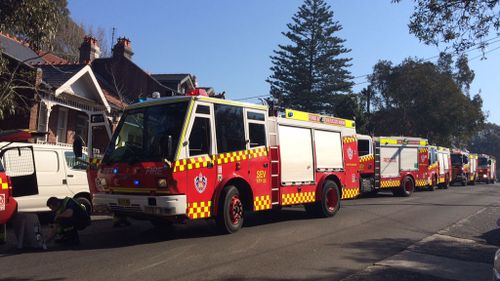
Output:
[[370, 238]]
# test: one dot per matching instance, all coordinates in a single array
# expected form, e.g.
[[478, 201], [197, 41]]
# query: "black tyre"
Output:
[[446, 183], [329, 201], [86, 203], [230, 213], [407, 187], [464, 181]]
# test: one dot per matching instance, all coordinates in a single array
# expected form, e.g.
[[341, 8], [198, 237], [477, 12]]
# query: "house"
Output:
[[65, 96]]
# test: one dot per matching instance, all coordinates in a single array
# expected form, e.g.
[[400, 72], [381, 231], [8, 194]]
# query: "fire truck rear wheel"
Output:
[[230, 213], [407, 187], [330, 199]]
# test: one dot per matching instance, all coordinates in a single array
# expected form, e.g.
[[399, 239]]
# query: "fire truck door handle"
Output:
[[266, 165], [210, 165]]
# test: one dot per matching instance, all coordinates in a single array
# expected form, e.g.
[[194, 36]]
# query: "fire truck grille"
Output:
[[125, 209]]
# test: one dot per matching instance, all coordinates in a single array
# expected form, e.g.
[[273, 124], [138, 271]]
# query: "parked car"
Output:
[[57, 173]]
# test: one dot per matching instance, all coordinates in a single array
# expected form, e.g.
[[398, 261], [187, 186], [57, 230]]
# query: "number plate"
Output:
[[124, 202]]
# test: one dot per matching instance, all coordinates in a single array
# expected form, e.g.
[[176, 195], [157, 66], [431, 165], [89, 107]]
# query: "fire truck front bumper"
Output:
[[141, 205]]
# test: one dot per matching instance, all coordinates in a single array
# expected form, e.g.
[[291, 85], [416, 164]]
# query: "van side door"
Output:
[[76, 175]]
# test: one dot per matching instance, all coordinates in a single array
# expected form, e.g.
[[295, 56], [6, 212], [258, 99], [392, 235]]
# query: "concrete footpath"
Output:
[[463, 251]]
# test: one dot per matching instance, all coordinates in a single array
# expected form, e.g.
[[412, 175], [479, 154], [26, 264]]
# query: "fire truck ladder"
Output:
[[275, 163], [377, 165], [275, 179]]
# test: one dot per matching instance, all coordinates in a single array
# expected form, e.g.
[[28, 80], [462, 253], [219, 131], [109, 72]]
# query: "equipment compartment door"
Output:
[[296, 154], [389, 162]]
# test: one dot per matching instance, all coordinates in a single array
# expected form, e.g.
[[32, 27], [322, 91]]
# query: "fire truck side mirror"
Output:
[[78, 146]]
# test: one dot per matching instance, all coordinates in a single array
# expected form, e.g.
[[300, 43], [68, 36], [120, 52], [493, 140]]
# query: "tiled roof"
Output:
[[18, 50], [57, 75], [51, 58]]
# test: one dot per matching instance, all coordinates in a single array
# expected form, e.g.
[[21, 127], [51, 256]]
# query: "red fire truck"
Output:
[[439, 170], [486, 168], [462, 173], [197, 157], [399, 164]]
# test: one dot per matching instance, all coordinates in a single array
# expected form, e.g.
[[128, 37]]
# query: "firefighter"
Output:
[[69, 217]]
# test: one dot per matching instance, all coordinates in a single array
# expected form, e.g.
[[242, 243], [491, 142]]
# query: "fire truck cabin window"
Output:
[[363, 147], [230, 128], [255, 116], [257, 133], [199, 140]]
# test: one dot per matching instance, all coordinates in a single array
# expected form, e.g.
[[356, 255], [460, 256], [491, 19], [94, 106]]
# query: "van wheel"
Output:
[[230, 214], [407, 187], [86, 203]]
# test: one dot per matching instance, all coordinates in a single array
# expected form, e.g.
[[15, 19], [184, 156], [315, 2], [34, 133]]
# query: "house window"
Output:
[[42, 118], [81, 127], [62, 124]]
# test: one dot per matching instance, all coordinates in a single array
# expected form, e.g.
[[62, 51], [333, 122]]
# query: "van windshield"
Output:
[[146, 134]]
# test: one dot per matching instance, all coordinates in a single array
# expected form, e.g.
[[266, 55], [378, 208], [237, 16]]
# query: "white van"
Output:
[[57, 174]]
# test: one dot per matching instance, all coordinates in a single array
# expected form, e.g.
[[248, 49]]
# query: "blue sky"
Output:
[[227, 43]]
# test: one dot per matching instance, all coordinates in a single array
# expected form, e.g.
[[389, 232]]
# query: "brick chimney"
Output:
[[123, 48], [89, 50]]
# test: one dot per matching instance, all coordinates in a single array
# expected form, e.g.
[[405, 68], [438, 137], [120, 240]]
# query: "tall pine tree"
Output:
[[308, 73]]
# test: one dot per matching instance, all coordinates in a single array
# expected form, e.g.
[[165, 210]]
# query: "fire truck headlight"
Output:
[[162, 183], [485, 176]]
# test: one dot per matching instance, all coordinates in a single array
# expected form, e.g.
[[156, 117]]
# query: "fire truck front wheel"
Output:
[[230, 213]]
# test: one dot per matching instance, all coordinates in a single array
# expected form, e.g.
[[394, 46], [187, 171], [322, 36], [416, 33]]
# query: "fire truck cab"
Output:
[[486, 168], [196, 157], [398, 164], [460, 161]]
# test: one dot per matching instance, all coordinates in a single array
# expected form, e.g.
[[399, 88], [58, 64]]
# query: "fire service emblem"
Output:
[[350, 153], [200, 183]]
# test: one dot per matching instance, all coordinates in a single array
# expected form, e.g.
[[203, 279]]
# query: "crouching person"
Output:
[[69, 217]]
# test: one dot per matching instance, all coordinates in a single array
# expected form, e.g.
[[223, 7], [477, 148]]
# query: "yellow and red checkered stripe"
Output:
[[390, 183], [191, 163], [423, 150], [366, 158], [348, 193], [421, 182], [199, 210], [442, 179], [349, 139], [262, 203], [223, 158], [298, 198], [4, 184]]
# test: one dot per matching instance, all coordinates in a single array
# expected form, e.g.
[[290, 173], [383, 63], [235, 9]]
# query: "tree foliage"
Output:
[[461, 23], [16, 78], [308, 73], [417, 98], [35, 21], [487, 141]]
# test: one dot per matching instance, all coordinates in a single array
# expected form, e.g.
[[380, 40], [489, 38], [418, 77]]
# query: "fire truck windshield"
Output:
[[456, 159], [483, 162], [149, 134]]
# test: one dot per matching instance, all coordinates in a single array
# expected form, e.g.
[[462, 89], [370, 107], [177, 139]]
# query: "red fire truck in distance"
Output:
[[464, 167], [197, 157], [439, 170], [399, 164], [486, 168]]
